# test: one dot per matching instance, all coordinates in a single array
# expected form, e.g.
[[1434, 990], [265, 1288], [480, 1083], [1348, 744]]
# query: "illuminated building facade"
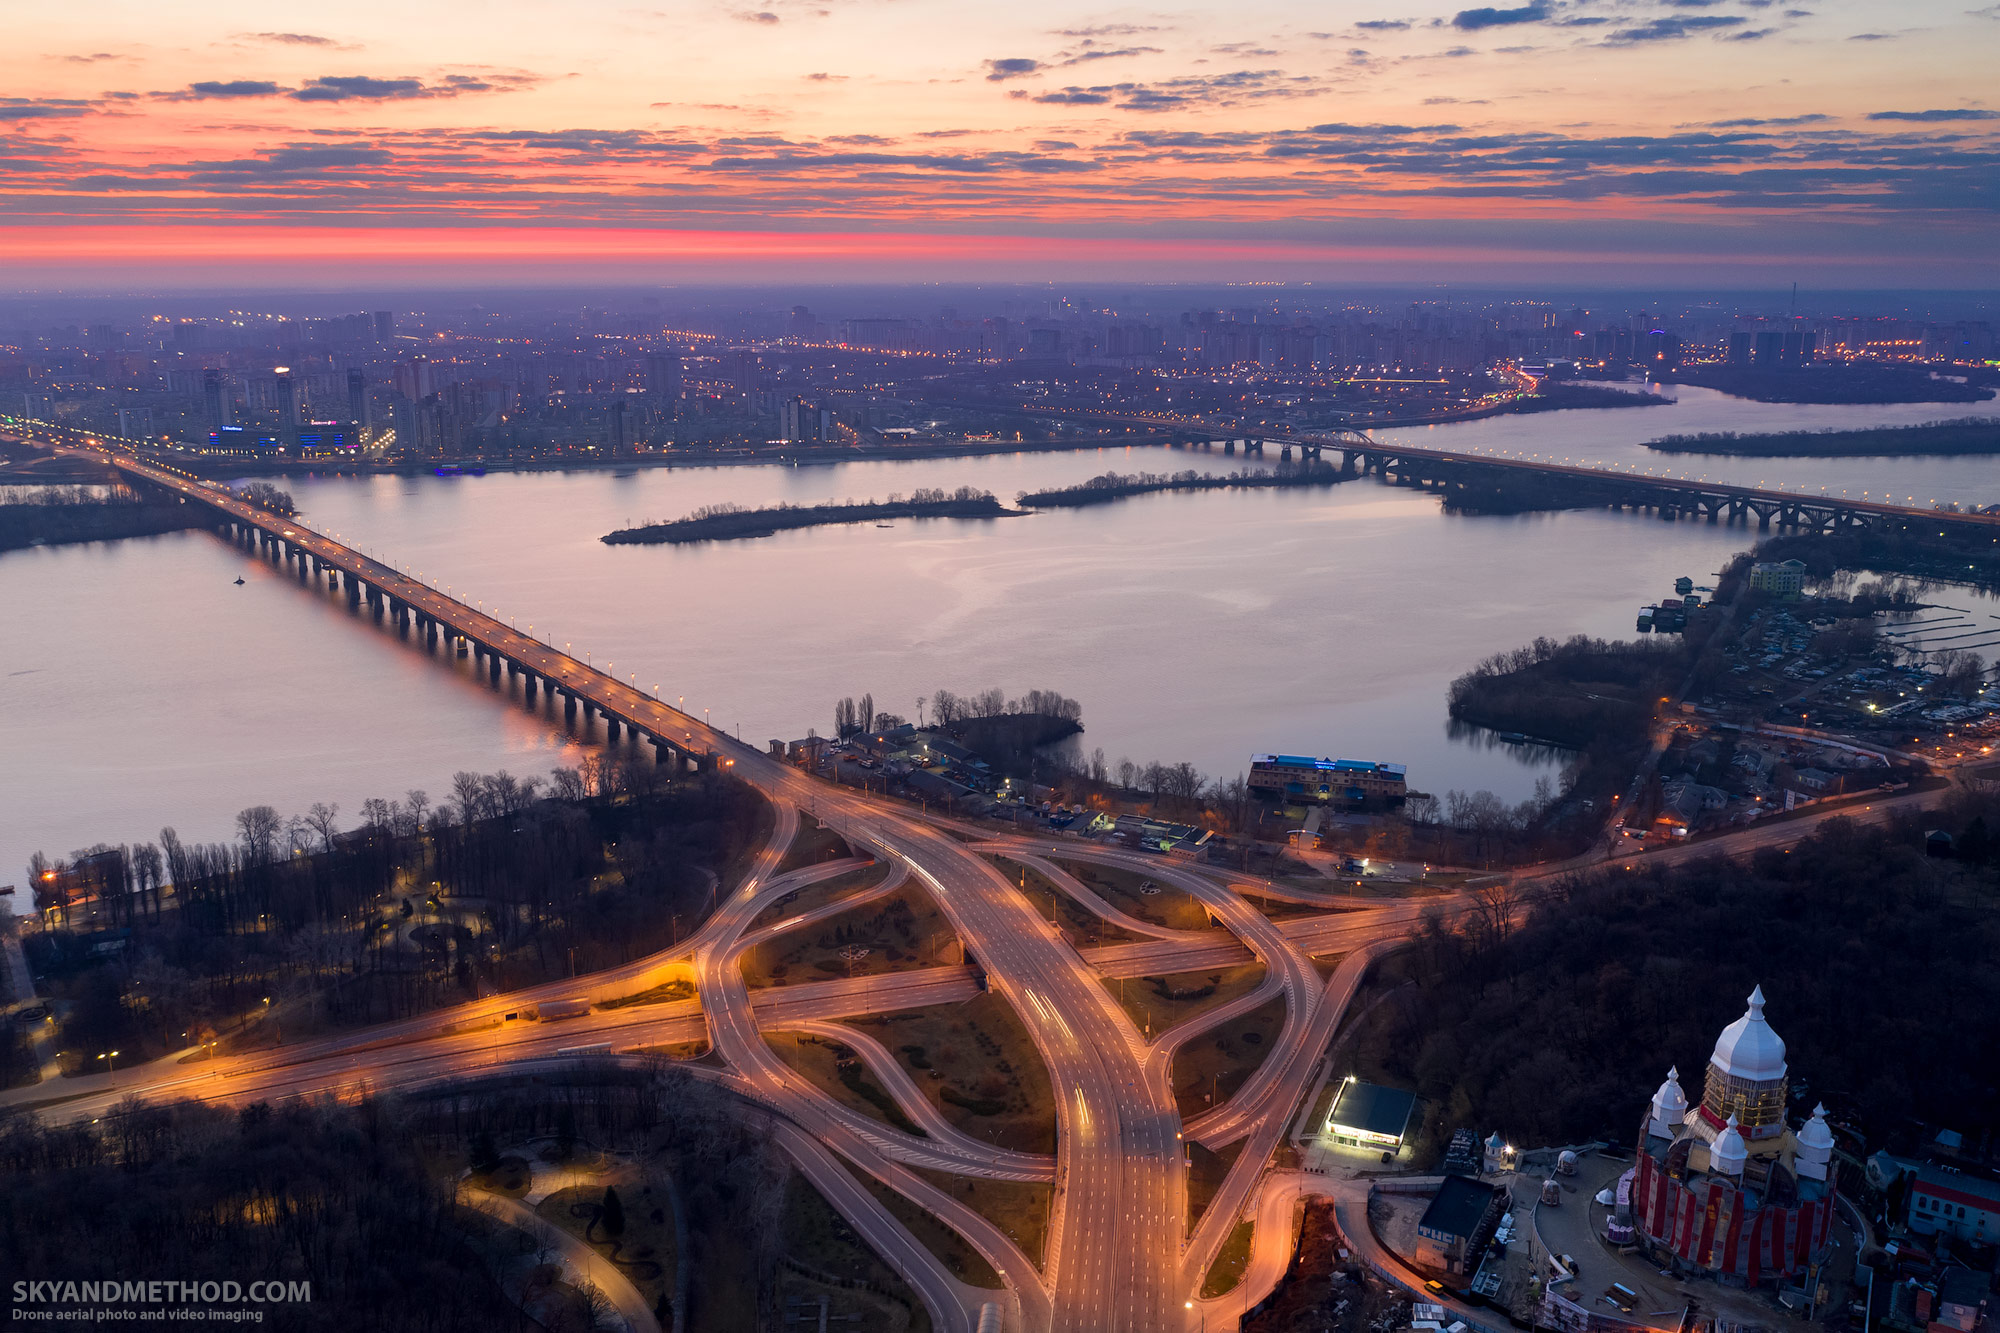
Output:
[[1726, 1188]]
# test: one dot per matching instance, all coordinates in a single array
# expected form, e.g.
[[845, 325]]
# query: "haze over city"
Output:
[[1707, 144], [889, 665]]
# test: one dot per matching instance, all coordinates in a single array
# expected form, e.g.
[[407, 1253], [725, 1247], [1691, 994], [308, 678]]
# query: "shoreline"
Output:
[[210, 468], [1961, 438]]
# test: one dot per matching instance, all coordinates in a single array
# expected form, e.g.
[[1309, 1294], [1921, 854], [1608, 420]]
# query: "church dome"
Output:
[[1815, 1134], [1727, 1154], [1670, 1103], [1748, 1048]]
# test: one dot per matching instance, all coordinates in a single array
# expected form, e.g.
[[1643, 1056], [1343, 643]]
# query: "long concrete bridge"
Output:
[[447, 625], [1468, 474], [1670, 497]]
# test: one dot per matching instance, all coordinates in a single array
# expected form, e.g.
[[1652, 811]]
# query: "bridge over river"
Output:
[[448, 625], [1470, 475]]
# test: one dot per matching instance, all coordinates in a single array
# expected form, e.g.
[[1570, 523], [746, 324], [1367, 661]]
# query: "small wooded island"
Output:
[[725, 522], [1118, 485], [1966, 435], [728, 522]]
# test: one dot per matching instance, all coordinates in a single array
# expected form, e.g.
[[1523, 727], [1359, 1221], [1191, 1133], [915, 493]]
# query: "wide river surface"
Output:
[[141, 687]]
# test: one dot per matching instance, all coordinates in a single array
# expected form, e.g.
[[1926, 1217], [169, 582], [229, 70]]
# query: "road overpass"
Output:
[[1113, 1249]]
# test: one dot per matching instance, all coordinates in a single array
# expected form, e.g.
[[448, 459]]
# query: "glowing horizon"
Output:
[[1669, 140]]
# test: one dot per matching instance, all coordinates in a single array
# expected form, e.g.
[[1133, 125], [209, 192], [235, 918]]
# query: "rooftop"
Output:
[[1374, 1109], [1458, 1208]]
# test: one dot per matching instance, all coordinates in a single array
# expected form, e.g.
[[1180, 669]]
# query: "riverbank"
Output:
[[731, 523], [1966, 435], [22, 526], [1565, 397], [1830, 384], [1573, 397]]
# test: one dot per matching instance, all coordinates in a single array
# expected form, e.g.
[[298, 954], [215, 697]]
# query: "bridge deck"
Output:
[[615, 698]]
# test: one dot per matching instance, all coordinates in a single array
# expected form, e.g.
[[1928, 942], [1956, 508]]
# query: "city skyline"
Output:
[[1669, 143]]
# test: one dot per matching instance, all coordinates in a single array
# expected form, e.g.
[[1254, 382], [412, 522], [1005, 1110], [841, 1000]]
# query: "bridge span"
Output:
[[1469, 475], [1670, 497], [448, 625]]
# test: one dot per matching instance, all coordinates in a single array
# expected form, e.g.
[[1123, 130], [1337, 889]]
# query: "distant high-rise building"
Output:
[[801, 323], [385, 325], [1739, 347], [415, 379], [357, 398], [663, 375], [1663, 348], [1767, 349], [285, 400], [620, 432], [804, 422], [743, 367], [215, 399]]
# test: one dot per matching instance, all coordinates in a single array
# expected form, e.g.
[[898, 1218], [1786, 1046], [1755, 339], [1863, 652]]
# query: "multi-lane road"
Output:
[[1120, 1254]]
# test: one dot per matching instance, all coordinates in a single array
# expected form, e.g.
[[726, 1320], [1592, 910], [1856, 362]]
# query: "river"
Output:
[[141, 686]]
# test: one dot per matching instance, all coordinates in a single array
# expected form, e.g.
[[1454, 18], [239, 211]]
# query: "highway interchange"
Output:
[[1119, 1254]]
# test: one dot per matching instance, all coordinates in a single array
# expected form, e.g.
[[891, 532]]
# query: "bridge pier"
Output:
[[492, 666], [528, 687], [569, 706], [610, 730], [353, 592]]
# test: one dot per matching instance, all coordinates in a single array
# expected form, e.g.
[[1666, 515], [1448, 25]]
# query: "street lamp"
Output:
[[110, 1059]]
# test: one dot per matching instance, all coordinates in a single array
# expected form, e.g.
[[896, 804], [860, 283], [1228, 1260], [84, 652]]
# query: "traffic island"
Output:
[[952, 1250], [898, 933], [1156, 1004], [1139, 896], [1079, 924], [813, 843], [1230, 1261], [819, 895], [981, 1067], [1206, 1172], [1020, 1208], [1209, 1069], [839, 1073]]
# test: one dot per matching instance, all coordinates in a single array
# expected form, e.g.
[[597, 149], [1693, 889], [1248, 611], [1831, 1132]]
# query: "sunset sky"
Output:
[[1710, 142]]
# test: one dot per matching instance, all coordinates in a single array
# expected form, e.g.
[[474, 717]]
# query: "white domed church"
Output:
[[1726, 1187]]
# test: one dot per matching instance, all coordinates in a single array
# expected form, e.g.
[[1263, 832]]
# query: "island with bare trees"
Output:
[[731, 522]]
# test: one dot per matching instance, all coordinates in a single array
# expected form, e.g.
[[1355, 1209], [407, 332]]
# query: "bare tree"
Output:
[[864, 715], [322, 819], [260, 828], [470, 791], [566, 784], [945, 708]]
